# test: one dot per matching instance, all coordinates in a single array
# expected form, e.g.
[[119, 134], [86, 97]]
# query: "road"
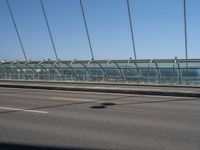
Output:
[[63, 120]]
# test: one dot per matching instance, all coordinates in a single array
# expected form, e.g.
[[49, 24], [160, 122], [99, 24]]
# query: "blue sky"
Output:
[[158, 29]]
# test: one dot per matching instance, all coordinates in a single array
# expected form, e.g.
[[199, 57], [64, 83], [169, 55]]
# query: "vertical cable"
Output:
[[185, 29], [48, 27], [86, 28], [131, 28], [16, 29]]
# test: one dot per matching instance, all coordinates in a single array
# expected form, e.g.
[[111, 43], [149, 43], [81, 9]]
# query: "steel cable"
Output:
[[86, 28], [49, 30], [185, 29], [131, 28], [16, 29]]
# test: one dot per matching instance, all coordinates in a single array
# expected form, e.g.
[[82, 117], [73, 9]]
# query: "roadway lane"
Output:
[[62, 120]]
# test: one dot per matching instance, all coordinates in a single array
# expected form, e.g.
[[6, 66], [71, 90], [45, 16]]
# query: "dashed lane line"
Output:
[[24, 110]]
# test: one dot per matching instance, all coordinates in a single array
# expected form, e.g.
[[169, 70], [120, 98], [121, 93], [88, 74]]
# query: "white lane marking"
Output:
[[76, 99], [25, 110], [36, 111]]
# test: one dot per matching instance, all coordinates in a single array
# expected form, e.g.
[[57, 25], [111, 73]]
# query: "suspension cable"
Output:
[[16, 29], [86, 28], [49, 30], [185, 29], [131, 28]]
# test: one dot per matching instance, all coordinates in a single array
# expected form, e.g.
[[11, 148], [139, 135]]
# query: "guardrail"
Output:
[[157, 71]]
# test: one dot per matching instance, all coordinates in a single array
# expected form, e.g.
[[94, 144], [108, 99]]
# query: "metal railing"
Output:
[[157, 71]]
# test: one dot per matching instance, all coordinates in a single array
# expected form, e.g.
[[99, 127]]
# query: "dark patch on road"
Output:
[[13, 146], [108, 104], [98, 107]]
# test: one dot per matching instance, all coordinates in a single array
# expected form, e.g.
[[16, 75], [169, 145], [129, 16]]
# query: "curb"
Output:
[[101, 83], [105, 90]]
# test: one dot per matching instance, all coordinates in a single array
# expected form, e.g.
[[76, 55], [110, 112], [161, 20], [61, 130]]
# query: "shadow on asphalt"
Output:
[[98, 107], [103, 105], [106, 103], [159, 101], [12, 146], [68, 104]]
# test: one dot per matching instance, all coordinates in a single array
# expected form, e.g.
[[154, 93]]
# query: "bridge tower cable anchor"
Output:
[[131, 28], [49, 30], [16, 29], [86, 28]]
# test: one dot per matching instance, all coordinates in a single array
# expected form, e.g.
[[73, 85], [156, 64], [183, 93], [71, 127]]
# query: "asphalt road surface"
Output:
[[62, 120]]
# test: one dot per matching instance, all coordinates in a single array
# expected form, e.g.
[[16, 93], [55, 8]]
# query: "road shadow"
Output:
[[159, 101], [13, 146], [104, 104], [68, 104]]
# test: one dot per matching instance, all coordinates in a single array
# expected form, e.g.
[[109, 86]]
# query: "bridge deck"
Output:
[[36, 119]]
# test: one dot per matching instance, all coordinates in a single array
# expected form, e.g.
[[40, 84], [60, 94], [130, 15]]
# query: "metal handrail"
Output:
[[121, 66]]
